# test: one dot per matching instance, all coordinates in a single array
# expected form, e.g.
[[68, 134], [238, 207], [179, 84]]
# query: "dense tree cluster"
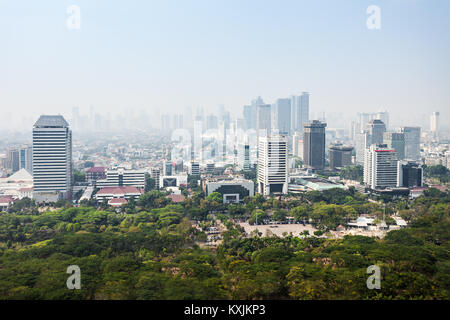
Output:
[[155, 252]]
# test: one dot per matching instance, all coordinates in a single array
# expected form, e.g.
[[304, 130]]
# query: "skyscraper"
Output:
[[263, 119], [380, 167], [314, 145], [376, 130], [297, 144], [299, 111], [383, 116], [52, 159], [434, 122], [282, 116], [244, 156], [250, 117], [396, 141], [412, 142], [362, 141], [273, 164]]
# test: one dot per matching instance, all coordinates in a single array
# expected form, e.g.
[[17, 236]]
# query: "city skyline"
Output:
[[119, 61]]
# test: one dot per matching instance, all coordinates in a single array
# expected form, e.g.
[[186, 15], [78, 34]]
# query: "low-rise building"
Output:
[[232, 191], [118, 192]]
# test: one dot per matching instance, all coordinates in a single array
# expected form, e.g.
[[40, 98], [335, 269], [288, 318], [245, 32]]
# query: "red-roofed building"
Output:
[[176, 198], [117, 202], [118, 192], [5, 202]]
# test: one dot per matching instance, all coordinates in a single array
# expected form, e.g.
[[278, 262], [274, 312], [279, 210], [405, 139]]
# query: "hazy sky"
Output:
[[171, 54]]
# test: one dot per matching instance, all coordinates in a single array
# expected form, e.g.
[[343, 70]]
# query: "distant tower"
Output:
[[434, 122], [396, 141], [263, 119], [282, 116], [314, 145], [52, 159], [376, 128], [412, 142]]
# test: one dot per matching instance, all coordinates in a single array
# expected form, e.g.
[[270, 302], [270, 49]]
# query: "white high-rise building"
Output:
[[434, 122], [273, 164], [380, 167], [52, 159], [362, 141]]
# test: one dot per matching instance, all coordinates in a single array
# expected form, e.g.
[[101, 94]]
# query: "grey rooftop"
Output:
[[51, 121]]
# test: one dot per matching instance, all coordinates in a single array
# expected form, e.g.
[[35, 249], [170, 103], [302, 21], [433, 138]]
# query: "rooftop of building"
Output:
[[119, 190], [176, 198], [45, 121], [96, 169]]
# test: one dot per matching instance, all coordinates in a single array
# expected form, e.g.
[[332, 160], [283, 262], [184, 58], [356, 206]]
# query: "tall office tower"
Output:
[[396, 141], [273, 164], [167, 168], [434, 122], [380, 167], [314, 145], [412, 142], [299, 111], [362, 142], [25, 158], [353, 130], [244, 155], [226, 118], [282, 116], [364, 119], [376, 130], [340, 156], [187, 118], [211, 122], [297, 144], [409, 174], [383, 116], [52, 159], [263, 119], [303, 111], [165, 123], [155, 173], [13, 161], [177, 121], [250, 117], [194, 168]]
